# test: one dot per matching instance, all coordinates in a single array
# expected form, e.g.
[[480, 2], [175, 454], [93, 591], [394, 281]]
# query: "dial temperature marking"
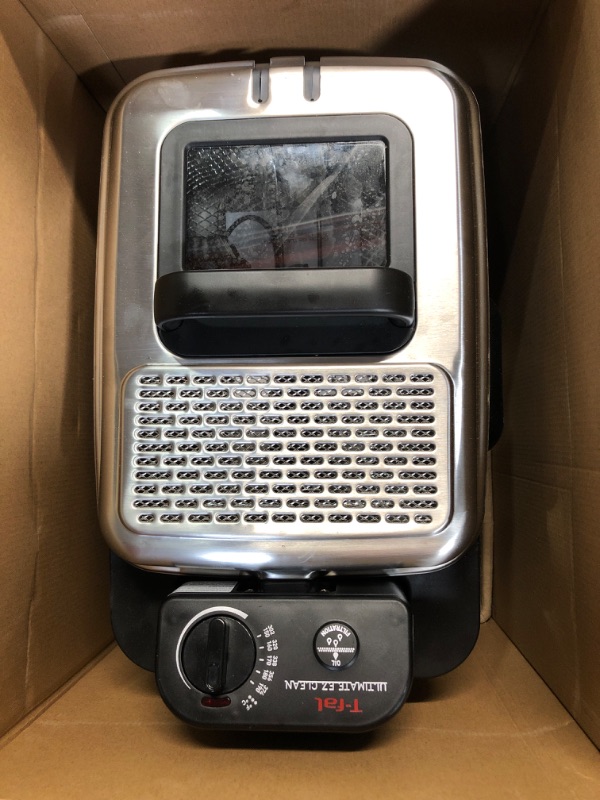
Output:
[[265, 673]]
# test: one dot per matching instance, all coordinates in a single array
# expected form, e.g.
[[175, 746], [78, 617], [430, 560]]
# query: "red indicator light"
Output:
[[215, 702]]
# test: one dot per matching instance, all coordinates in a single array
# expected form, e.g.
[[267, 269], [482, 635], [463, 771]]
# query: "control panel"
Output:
[[304, 661]]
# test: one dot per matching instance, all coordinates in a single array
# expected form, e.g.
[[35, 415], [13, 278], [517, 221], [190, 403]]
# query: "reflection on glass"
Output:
[[277, 206]]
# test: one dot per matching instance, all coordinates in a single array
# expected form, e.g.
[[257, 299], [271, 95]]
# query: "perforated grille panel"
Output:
[[276, 452]]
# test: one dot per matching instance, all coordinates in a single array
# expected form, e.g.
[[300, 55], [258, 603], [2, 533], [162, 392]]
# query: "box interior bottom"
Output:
[[490, 729]]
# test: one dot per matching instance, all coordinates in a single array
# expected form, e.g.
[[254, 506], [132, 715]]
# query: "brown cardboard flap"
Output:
[[489, 730], [19, 168], [109, 43], [53, 568], [547, 485]]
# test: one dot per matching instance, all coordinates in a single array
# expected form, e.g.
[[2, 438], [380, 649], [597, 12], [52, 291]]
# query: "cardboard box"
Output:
[[81, 720]]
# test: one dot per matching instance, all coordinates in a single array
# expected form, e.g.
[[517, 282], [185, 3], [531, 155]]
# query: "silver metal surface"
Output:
[[285, 453], [451, 332]]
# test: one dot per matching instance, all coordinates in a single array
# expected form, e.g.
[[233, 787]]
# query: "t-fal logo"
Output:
[[338, 704]]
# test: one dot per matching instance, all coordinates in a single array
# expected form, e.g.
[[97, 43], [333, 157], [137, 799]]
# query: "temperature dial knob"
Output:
[[218, 655]]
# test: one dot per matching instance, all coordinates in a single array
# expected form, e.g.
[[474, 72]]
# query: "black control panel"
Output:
[[301, 661]]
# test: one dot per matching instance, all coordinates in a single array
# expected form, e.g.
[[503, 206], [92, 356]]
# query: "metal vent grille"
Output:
[[274, 452]]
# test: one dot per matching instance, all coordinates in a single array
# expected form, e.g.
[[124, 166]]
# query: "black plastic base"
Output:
[[444, 606]]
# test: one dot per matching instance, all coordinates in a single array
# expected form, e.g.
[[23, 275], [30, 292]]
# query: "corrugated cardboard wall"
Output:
[[110, 42], [53, 598], [542, 170], [547, 465]]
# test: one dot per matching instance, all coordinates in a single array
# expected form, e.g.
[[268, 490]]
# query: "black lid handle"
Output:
[[377, 292]]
